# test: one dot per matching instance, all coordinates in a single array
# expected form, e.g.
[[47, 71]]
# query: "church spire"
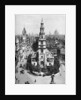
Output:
[[42, 20], [42, 27]]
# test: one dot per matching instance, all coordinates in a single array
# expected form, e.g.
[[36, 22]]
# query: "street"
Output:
[[27, 77]]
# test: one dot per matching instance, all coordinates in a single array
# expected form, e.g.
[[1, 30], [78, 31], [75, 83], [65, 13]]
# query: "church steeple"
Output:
[[42, 44], [42, 27], [42, 20]]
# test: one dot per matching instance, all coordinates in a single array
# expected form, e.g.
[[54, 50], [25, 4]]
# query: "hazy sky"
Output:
[[32, 23]]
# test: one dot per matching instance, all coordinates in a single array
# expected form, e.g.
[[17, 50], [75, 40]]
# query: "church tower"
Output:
[[42, 45]]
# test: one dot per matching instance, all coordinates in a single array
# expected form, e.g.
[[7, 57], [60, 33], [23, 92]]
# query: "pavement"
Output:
[[24, 77]]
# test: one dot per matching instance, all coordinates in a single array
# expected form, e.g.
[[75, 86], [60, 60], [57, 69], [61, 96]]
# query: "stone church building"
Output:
[[45, 57]]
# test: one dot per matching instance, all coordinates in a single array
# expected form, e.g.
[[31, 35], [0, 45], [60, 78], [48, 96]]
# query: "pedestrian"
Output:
[[35, 81], [52, 78]]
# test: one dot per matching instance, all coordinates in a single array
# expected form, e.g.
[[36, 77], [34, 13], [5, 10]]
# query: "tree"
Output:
[[56, 65], [28, 62], [37, 55], [58, 52], [50, 69], [35, 46]]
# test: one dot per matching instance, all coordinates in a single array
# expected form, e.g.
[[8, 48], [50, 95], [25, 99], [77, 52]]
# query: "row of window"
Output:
[[41, 46], [42, 42]]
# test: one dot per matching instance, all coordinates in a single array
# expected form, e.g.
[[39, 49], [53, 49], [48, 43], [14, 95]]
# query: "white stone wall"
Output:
[[48, 63], [44, 43], [34, 63]]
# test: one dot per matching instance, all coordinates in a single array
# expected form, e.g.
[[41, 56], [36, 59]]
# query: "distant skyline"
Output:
[[32, 23]]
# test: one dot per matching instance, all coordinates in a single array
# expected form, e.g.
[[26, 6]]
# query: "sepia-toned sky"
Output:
[[32, 23]]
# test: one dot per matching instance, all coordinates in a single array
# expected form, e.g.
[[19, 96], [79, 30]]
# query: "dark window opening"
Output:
[[42, 62], [41, 42], [42, 50]]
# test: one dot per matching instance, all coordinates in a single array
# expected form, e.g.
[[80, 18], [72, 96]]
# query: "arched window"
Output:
[[41, 42], [42, 50]]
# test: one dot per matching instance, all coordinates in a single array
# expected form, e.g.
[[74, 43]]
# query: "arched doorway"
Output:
[[42, 63]]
